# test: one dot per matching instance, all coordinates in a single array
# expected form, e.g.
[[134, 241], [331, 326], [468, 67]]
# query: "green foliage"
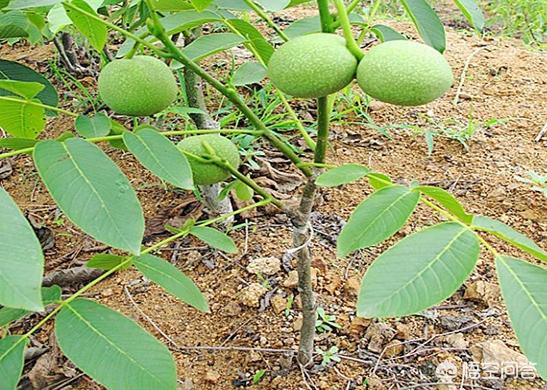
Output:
[[106, 261], [249, 73], [342, 175], [172, 280], [508, 234], [523, 289], [21, 259], [95, 31], [97, 125], [325, 322], [404, 73], [92, 191], [312, 65], [214, 238], [160, 156], [417, 272], [11, 361], [420, 271], [104, 344], [49, 295], [519, 18], [139, 86], [377, 218], [427, 23]]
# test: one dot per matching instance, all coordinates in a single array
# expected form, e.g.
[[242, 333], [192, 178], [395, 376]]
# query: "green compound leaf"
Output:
[[427, 23], [377, 218], [160, 156], [472, 13], [172, 280], [95, 31], [508, 234], [214, 238], [342, 175], [249, 73], [112, 349], [98, 125], [49, 295], [92, 191], [447, 200], [12, 350], [21, 259], [523, 286], [21, 118], [419, 271]]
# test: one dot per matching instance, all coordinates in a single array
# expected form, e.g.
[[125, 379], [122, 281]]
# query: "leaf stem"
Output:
[[346, 27], [267, 19]]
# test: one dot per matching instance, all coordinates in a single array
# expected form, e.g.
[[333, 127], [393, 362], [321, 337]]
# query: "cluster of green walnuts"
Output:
[[399, 72]]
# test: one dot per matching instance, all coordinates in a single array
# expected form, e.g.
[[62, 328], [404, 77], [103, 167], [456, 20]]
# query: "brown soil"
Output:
[[503, 81]]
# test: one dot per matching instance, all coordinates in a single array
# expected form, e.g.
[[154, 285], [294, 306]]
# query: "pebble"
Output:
[[212, 376], [264, 265], [278, 303], [250, 295]]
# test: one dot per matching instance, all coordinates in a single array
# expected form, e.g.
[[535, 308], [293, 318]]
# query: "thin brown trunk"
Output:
[[301, 235]]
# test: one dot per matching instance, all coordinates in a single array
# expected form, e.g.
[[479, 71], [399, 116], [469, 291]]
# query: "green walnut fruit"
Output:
[[139, 86], [312, 66], [204, 173], [404, 73]]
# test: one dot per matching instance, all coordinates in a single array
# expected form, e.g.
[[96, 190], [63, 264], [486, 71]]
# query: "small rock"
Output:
[[483, 292], [232, 309], [353, 285], [297, 324], [457, 340], [335, 283], [107, 292], [358, 326], [404, 331], [393, 348], [292, 279], [375, 383], [378, 334], [212, 376], [254, 357], [376, 105], [250, 295], [497, 356], [264, 265], [452, 323], [278, 303]]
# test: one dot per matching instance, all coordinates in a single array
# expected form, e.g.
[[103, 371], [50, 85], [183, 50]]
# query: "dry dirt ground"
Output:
[[224, 349]]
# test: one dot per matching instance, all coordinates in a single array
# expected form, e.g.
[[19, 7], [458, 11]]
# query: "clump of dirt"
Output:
[[245, 334]]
